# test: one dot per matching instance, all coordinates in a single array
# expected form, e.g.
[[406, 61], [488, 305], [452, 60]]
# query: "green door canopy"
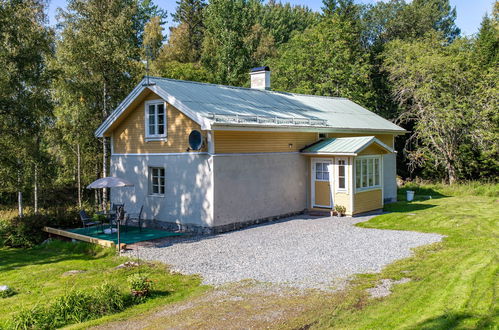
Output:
[[347, 146]]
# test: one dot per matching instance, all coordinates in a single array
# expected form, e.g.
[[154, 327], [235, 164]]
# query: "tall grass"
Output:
[[471, 188], [75, 307]]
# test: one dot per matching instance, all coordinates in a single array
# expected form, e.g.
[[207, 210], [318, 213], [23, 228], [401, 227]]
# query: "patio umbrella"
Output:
[[111, 182]]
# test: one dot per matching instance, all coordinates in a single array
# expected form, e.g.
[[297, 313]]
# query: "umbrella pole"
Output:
[[119, 245]]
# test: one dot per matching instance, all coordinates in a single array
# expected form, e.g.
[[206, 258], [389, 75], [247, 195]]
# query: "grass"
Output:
[[36, 275], [453, 283]]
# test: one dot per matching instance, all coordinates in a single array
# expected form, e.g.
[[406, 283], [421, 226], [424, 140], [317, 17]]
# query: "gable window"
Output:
[[157, 181], [155, 120], [342, 175], [367, 172]]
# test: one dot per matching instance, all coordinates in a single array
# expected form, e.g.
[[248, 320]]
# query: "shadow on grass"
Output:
[[455, 320], [407, 207], [420, 193], [11, 259]]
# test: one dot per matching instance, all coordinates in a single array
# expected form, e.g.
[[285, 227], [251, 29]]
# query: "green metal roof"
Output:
[[347, 145], [218, 105]]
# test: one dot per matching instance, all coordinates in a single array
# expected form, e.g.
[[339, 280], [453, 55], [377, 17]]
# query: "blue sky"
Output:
[[469, 12]]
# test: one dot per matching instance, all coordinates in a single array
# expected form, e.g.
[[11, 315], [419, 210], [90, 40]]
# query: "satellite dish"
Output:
[[195, 140]]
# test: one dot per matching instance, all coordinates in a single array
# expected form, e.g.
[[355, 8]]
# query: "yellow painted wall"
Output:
[[250, 142], [129, 135], [373, 149], [368, 201], [323, 193], [385, 138]]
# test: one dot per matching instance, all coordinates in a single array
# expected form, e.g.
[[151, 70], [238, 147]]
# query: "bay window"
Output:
[[367, 172]]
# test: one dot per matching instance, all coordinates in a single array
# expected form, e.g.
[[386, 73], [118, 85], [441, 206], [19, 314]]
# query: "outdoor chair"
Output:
[[134, 217], [120, 216], [88, 221]]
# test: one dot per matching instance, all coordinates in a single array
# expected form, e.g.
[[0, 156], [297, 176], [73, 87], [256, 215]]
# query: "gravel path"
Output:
[[301, 251]]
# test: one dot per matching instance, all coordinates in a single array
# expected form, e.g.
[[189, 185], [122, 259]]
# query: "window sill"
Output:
[[161, 139], [157, 196]]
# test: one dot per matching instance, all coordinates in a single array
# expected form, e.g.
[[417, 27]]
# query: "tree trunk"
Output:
[[78, 164], [104, 148], [35, 189], [451, 172], [19, 192]]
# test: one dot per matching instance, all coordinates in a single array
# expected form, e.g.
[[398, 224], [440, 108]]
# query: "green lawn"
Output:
[[453, 283], [36, 275]]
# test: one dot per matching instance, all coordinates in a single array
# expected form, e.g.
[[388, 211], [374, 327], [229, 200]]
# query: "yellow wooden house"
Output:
[[213, 158]]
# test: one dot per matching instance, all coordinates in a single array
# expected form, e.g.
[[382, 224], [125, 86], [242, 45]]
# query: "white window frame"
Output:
[[380, 171], [338, 189], [151, 184], [328, 162], [155, 137]]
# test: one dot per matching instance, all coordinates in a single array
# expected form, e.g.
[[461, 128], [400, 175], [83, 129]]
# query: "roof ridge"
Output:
[[246, 88]]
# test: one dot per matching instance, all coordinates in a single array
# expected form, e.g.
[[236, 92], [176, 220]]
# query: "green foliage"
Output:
[[140, 284], [7, 293], [74, 307], [25, 232], [439, 85], [340, 209], [326, 59]]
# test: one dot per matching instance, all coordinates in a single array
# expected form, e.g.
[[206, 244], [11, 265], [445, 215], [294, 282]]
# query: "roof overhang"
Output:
[[295, 128], [349, 146]]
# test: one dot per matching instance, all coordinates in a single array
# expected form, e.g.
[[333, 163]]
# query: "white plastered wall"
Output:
[[257, 186], [188, 195]]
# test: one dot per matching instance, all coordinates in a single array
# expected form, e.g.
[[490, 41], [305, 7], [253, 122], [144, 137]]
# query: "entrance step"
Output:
[[316, 213]]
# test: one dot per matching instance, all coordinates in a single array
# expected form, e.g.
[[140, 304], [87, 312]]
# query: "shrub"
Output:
[[7, 293], [74, 307], [140, 285], [27, 231], [340, 209]]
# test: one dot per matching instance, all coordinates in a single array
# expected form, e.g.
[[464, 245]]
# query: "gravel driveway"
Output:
[[301, 251]]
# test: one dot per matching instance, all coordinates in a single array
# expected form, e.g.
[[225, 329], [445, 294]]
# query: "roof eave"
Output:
[[329, 153]]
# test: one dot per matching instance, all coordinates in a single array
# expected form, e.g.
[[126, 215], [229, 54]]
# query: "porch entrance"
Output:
[[321, 180]]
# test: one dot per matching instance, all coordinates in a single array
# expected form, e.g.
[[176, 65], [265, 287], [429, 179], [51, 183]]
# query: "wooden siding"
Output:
[[385, 138], [252, 142], [343, 198], [129, 136], [373, 149], [370, 200]]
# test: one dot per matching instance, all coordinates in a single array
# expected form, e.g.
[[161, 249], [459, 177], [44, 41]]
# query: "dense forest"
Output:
[[405, 60]]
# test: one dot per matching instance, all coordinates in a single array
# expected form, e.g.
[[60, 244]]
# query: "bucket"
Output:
[[410, 195]]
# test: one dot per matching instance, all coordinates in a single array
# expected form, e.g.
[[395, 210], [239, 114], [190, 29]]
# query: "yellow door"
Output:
[[321, 191]]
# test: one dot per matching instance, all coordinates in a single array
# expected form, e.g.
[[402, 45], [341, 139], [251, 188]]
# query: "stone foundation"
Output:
[[199, 230]]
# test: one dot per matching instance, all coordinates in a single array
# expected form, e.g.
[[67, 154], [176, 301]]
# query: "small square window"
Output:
[[157, 181]]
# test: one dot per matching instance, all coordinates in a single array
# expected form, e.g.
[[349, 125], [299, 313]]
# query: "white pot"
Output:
[[410, 195]]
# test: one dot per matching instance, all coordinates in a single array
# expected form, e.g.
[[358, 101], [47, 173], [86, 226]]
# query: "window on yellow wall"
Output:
[[155, 120], [367, 172], [342, 175]]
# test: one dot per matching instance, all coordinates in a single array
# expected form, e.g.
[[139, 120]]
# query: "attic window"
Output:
[[155, 120], [322, 136]]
